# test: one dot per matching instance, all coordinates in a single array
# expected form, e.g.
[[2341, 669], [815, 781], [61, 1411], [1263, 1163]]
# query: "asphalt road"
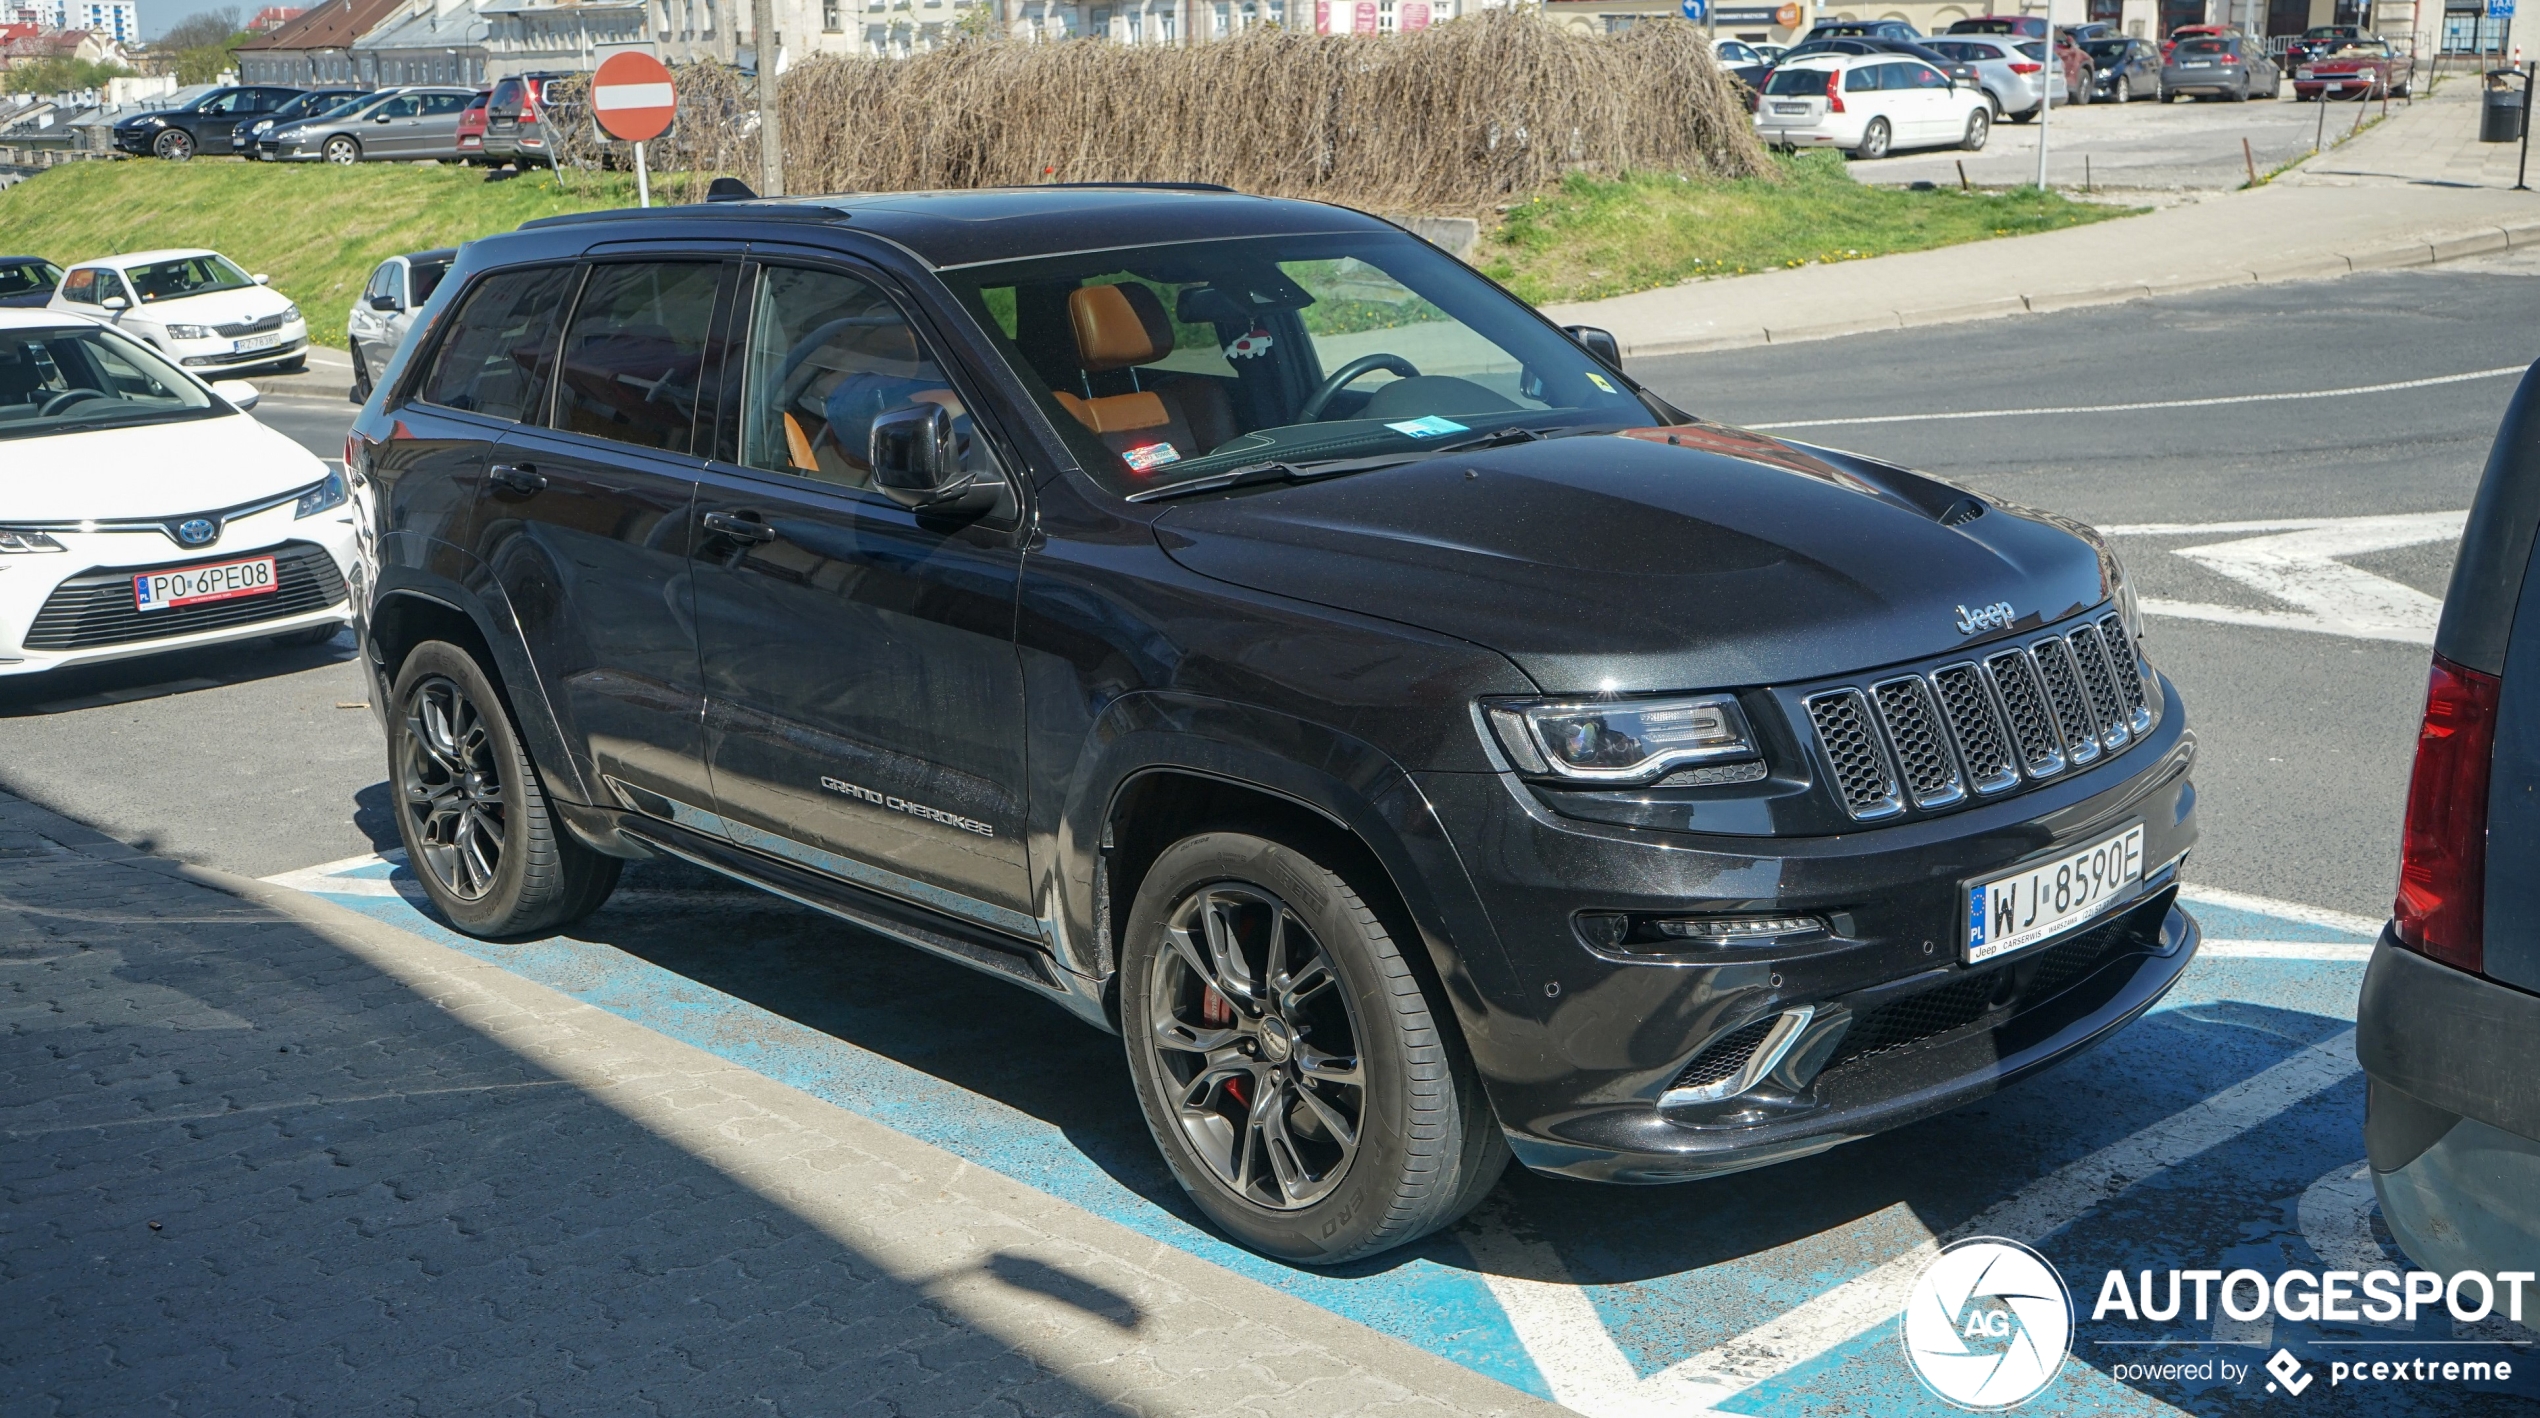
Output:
[[243, 757], [2188, 145]]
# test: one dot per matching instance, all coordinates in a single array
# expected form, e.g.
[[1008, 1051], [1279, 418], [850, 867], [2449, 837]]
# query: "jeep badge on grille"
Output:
[[1997, 616]]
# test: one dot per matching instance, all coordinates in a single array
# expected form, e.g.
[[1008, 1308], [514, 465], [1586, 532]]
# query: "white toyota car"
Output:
[[143, 510], [196, 307]]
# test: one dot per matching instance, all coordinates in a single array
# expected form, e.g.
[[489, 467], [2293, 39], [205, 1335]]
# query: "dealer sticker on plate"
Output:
[[2047, 898], [194, 585]]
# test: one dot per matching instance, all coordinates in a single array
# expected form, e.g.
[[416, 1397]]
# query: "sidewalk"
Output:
[[2416, 190], [265, 1153]]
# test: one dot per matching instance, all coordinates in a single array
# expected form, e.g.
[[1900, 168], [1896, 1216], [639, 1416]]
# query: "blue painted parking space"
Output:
[[2221, 1131]]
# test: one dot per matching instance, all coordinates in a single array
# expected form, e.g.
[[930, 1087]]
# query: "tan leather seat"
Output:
[[1124, 327]]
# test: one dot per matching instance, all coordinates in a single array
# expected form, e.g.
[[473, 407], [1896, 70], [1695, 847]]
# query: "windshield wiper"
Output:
[[1245, 476]]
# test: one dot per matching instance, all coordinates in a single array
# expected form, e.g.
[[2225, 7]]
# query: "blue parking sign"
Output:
[[1695, 10], [2496, 9]]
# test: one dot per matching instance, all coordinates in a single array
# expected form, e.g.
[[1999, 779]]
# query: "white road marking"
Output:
[[1546, 1310], [2284, 950], [336, 879], [2369, 927], [2298, 562], [2391, 388]]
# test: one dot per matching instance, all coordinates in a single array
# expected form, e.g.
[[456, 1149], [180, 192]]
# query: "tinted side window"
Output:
[[634, 358], [1866, 79], [444, 103], [80, 286], [494, 359], [422, 280], [382, 281], [1927, 77]]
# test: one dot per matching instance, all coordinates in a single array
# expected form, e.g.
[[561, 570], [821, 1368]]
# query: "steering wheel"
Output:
[[1341, 377], [65, 399]]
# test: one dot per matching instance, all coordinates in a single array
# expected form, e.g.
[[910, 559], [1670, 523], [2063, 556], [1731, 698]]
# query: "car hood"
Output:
[[1697, 556], [155, 470], [220, 307]]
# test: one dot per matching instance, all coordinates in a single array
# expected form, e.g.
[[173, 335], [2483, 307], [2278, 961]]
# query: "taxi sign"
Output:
[[632, 98]]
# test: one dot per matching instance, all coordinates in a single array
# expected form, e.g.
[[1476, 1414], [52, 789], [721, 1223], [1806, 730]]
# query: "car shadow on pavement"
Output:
[[247, 1169], [158, 676]]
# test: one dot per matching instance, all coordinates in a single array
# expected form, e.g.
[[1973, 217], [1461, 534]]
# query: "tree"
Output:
[[60, 75], [199, 31], [201, 46]]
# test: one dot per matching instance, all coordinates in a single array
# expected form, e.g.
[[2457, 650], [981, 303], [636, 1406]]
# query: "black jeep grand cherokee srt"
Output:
[[1242, 624]]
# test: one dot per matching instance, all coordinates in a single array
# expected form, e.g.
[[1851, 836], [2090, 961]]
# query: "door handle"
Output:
[[749, 530], [516, 477]]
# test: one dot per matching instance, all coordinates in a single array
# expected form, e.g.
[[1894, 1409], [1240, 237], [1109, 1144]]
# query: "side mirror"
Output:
[[238, 392], [1600, 343], [914, 461], [261, 280], [116, 302], [382, 118], [383, 302]]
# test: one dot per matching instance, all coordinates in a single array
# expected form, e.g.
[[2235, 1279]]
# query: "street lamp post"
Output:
[[2046, 92], [771, 140]]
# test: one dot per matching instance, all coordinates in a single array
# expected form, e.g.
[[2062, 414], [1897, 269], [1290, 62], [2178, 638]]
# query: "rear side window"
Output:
[[444, 103], [1797, 83], [422, 279], [634, 358], [494, 359]]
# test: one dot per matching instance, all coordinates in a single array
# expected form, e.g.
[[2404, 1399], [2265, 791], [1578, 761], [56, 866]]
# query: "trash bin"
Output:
[[2500, 119]]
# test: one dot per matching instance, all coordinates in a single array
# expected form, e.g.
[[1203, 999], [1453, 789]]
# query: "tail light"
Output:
[[2441, 909], [2026, 68], [1834, 91]]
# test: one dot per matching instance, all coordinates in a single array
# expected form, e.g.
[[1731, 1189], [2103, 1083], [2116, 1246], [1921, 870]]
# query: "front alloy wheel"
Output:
[[452, 788], [2125, 89], [342, 151], [175, 145]]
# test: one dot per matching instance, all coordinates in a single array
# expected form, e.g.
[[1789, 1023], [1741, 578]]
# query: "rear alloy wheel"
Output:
[[1874, 141], [1979, 128], [1287, 1059], [342, 151], [176, 145], [471, 810]]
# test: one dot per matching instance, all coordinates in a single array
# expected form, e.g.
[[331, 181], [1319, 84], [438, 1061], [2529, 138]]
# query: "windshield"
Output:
[[1169, 364], [185, 276], [2106, 48], [19, 277], [72, 378]]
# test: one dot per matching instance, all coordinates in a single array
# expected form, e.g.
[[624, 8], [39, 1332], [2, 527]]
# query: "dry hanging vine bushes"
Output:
[[1456, 118]]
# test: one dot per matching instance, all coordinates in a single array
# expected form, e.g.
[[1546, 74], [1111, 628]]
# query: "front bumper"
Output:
[[56, 611], [2451, 1111], [136, 141], [205, 359], [1588, 1042]]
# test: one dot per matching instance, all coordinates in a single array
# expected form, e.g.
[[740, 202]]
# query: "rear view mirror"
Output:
[[260, 279], [116, 302], [1600, 343], [915, 462]]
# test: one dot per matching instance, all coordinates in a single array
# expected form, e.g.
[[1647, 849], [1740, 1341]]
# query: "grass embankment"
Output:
[[1593, 238], [317, 230]]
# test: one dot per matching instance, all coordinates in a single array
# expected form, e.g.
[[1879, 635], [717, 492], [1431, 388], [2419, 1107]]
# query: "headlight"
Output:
[[1621, 740], [189, 332], [15, 541], [329, 493], [290, 313]]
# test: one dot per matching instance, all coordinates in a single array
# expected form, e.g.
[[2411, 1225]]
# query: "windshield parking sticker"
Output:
[[1599, 381], [1150, 455], [1430, 427]]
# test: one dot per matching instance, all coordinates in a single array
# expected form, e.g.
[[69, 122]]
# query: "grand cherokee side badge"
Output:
[[1997, 616], [888, 803]]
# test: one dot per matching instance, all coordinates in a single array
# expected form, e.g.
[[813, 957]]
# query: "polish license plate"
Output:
[[2047, 898], [257, 342], [195, 585], [1790, 108]]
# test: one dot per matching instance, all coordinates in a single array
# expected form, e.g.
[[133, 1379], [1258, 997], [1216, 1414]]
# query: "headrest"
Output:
[[1118, 326]]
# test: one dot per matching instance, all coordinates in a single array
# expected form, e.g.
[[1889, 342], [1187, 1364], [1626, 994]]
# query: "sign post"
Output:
[[633, 101]]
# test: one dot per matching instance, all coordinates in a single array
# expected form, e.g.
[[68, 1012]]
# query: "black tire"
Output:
[[342, 150], [463, 782], [361, 374], [1875, 141], [1979, 128], [2026, 116], [1426, 1146], [175, 145]]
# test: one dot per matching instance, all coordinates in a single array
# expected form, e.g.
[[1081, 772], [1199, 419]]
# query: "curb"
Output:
[[2415, 251]]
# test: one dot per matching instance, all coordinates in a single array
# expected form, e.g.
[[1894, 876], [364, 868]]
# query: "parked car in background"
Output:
[[1869, 106], [2172, 40], [515, 124], [2317, 41], [27, 280], [379, 320], [403, 125], [178, 133], [244, 137], [1739, 59], [471, 131], [2222, 66], [2123, 70], [1772, 52], [145, 510], [1862, 29], [195, 307], [1958, 70], [2448, 1026], [2090, 30], [2357, 69], [2011, 71], [282, 139], [2024, 26]]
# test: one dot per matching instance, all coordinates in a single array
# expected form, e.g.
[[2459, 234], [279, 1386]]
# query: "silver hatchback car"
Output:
[[2012, 71], [387, 309], [399, 125]]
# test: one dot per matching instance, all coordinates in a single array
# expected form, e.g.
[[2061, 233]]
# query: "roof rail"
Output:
[[710, 209], [1165, 186]]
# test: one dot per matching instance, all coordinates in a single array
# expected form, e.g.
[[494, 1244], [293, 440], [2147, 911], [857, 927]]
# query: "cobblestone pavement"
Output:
[[263, 1155]]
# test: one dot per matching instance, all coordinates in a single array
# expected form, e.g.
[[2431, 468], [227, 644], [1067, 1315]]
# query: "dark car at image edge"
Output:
[[1248, 629]]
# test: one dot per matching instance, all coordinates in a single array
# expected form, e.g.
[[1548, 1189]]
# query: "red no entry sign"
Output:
[[632, 98]]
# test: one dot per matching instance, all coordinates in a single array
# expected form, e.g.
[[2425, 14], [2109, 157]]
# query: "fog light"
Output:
[[1619, 934], [1731, 930]]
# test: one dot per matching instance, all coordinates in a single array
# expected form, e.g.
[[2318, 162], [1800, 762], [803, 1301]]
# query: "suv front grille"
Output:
[[1974, 728], [96, 608]]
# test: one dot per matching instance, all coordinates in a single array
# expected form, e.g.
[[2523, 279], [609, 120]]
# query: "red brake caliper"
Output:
[[1214, 1010]]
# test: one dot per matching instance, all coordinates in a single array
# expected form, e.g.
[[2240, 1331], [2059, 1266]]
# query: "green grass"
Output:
[[317, 230], [1595, 238]]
